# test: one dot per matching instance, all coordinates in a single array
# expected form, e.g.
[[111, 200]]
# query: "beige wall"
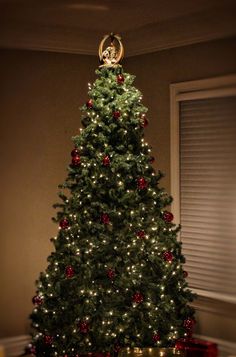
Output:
[[40, 97], [155, 72]]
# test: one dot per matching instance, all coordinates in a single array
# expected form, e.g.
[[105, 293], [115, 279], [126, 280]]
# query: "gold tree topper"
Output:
[[111, 56]]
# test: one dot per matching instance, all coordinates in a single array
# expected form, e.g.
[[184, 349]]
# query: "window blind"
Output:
[[208, 194]]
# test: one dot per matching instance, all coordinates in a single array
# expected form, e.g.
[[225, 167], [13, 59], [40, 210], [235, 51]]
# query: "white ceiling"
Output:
[[146, 25]]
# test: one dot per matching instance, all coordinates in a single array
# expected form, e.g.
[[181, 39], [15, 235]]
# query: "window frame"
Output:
[[216, 87]]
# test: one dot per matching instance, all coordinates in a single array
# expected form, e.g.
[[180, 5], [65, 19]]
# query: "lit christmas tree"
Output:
[[116, 275]]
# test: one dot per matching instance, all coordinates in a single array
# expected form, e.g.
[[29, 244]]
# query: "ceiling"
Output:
[[77, 26]]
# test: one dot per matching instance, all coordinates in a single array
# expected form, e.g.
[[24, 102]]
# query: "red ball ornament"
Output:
[[106, 160], [185, 274], [143, 121], [142, 183], [117, 347], [64, 223], [75, 160], [151, 159], [48, 340], [105, 219], [168, 256], [156, 337], [140, 234], [83, 327], [89, 104], [110, 274], [69, 271], [137, 297], [120, 79], [74, 152], [189, 323], [37, 300], [180, 345], [30, 349], [167, 216], [33, 350], [116, 114]]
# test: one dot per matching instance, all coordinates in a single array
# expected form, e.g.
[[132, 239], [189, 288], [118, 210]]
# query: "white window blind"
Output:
[[208, 194]]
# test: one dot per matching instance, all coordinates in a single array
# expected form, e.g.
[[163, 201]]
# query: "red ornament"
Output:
[[137, 297], [83, 327], [105, 219], [185, 274], [75, 160], [37, 300], [30, 349], [89, 104], [189, 323], [69, 271], [110, 274], [64, 223], [106, 160], [33, 350], [117, 347], [151, 159], [116, 114], [156, 337], [180, 345], [142, 183], [48, 340], [75, 152], [168, 256], [140, 234], [143, 121], [167, 216], [120, 79]]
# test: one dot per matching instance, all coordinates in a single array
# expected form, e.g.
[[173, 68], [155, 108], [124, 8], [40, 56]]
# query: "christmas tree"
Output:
[[116, 275]]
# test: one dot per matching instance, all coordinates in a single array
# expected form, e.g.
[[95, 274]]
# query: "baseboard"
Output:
[[14, 346]]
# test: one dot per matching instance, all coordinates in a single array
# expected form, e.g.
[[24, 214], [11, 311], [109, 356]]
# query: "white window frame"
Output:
[[206, 88]]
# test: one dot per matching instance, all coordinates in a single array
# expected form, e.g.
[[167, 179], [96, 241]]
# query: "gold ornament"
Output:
[[111, 56], [150, 352]]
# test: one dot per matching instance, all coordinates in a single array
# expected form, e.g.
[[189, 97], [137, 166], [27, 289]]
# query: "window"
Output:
[[203, 182]]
